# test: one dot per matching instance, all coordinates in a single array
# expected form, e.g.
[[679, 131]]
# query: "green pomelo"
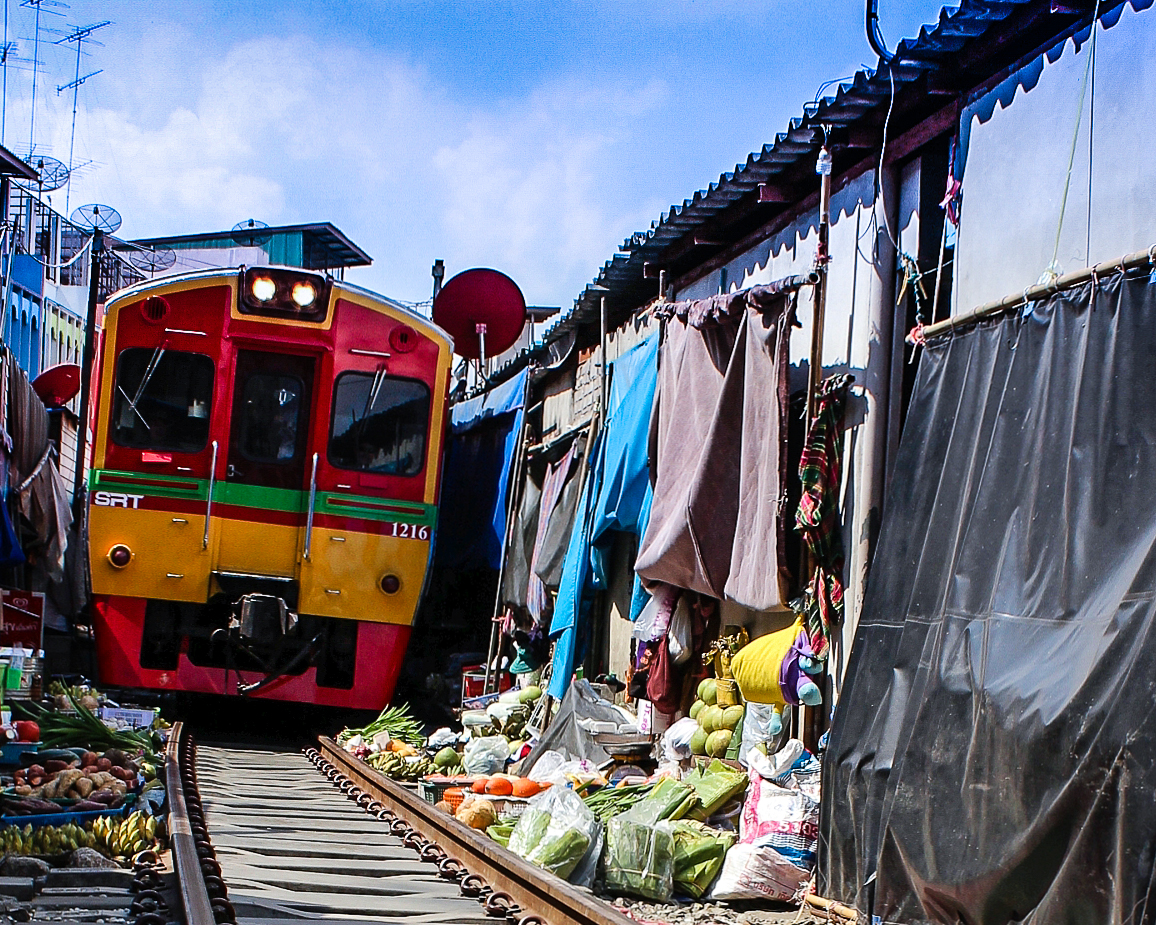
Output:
[[717, 742], [529, 694], [708, 690], [446, 758], [698, 742], [731, 717], [696, 708]]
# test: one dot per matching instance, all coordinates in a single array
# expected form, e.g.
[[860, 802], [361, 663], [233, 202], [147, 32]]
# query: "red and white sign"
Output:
[[22, 619]]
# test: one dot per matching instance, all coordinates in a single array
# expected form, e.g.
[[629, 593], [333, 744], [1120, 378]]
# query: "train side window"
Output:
[[379, 424], [162, 399], [271, 412]]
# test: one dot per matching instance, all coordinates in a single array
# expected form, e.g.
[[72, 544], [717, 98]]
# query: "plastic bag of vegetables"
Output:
[[640, 857], [555, 831]]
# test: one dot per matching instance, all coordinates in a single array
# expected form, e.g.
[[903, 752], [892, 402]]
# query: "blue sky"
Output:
[[531, 137]]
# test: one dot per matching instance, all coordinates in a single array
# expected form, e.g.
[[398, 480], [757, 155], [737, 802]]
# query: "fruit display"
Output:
[[47, 839], [401, 767], [716, 723], [123, 838]]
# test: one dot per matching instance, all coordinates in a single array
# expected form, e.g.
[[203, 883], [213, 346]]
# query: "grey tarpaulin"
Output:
[[42, 493], [715, 521], [566, 734], [993, 753]]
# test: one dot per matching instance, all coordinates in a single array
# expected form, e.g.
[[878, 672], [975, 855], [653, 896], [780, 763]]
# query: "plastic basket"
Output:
[[433, 790]]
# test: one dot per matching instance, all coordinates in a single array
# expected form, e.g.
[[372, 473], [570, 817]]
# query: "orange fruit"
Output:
[[524, 787], [499, 787], [479, 786]]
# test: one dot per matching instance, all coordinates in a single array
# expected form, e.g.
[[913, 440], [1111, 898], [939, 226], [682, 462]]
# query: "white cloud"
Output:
[[523, 184]]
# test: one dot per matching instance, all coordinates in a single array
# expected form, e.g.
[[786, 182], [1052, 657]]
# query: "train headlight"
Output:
[[390, 584], [304, 294], [263, 289], [119, 556]]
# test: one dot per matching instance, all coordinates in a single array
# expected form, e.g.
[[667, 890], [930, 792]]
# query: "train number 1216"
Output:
[[409, 531]]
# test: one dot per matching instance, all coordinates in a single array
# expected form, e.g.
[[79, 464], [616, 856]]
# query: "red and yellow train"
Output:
[[264, 484]]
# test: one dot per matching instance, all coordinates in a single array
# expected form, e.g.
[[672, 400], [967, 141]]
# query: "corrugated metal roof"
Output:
[[968, 45]]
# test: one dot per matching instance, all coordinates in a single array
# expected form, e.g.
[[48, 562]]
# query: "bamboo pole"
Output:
[[1043, 291], [830, 907]]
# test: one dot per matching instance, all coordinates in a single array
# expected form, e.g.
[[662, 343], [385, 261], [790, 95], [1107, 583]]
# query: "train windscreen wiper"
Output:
[[154, 361]]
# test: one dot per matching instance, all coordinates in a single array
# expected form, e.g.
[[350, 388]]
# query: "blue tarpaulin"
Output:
[[482, 449], [615, 498]]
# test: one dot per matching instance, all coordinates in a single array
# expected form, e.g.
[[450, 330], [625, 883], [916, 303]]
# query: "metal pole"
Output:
[[88, 361], [819, 310], [604, 378], [513, 501]]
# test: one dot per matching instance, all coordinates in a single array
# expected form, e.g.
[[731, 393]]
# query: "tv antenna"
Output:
[[77, 35], [94, 217], [151, 261], [51, 174], [48, 6], [251, 233], [8, 56]]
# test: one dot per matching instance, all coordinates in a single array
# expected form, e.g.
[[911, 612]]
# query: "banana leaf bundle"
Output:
[[699, 852], [640, 857], [669, 799], [715, 785]]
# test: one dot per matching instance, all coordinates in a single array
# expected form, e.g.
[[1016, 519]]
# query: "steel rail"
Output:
[[198, 909], [537, 896]]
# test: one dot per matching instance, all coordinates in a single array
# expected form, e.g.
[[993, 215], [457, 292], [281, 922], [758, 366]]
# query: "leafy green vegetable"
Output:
[[397, 722], [699, 852]]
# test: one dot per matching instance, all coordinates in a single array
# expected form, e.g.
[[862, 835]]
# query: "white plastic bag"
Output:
[[676, 739], [443, 737], [756, 728], [751, 872], [679, 639], [486, 755], [654, 619]]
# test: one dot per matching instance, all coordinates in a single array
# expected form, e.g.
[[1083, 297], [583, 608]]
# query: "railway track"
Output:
[[362, 850]]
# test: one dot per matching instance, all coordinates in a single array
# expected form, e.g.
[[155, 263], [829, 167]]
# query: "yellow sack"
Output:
[[758, 664]]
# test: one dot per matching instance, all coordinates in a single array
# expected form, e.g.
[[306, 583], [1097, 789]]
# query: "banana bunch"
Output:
[[46, 840], [122, 838], [397, 767]]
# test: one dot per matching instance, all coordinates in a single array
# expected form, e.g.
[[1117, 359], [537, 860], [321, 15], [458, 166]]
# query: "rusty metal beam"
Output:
[[187, 863]]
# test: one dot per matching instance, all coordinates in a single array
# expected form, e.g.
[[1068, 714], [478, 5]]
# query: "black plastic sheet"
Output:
[[992, 757]]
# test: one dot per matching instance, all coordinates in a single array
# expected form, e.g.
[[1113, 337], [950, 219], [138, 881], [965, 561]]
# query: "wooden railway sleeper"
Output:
[[152, 918]]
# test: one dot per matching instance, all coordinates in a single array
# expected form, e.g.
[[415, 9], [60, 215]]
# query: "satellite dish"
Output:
[[95, 217], [251, 233], [50, 174], [153, 260], [58, 385], [483, 310]]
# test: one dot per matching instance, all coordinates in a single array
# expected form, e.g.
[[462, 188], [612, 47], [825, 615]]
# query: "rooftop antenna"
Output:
[[38, 5], [77, 35], [7, 56]]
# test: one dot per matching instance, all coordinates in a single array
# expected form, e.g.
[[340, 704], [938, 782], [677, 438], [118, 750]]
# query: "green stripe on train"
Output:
[[264, 498]]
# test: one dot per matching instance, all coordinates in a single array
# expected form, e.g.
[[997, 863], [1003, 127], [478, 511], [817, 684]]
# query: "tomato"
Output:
[[26, 730]]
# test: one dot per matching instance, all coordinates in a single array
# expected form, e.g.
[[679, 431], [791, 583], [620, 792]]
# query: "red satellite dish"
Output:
[[58, 385], [483, 299]]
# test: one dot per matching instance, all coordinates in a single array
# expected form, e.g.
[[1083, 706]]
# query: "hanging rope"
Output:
[[1053, 269]]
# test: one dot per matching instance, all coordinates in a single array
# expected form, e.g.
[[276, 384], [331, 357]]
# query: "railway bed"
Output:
[[321, 836]]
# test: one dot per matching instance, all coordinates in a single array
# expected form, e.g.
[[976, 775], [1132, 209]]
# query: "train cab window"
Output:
[[379, 424], [162, 399], [269, 430]]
